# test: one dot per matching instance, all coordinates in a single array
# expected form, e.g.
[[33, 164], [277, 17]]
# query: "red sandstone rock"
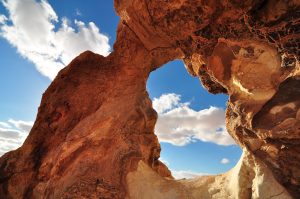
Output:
[[94, 132]]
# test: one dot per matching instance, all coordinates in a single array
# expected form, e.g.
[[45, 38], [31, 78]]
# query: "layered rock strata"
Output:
[[94, 132]]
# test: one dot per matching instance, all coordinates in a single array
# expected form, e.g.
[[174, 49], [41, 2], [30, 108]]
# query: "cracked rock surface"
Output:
[[94, 132]]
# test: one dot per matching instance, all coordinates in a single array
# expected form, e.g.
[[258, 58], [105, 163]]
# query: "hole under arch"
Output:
[[191, 124]]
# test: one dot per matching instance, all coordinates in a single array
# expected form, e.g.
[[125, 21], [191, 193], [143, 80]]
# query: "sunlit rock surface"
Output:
[[250, 178], [94, 132]]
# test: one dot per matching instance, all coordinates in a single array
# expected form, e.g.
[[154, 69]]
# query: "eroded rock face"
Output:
[[94, 132]]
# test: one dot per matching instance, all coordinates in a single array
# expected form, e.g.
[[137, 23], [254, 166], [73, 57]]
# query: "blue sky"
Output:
[[188, 148]]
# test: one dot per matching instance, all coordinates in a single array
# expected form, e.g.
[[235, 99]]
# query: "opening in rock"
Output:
[[191, 124]]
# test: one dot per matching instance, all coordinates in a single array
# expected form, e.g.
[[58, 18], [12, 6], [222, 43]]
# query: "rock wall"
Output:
[[94, 132]]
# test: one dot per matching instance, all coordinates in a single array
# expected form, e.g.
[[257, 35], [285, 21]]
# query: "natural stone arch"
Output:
[[93, 136]]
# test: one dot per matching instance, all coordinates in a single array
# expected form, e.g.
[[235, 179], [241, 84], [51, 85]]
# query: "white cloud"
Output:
[[2, 19], [77, 12], [165, 102], [30, 27], [9, 134], [179, 125], [13, 134], [225, 161], [186, 174], [4, 125], [21, 125]]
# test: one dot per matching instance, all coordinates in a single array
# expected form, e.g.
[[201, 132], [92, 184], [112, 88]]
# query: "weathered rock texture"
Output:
[[93, 136]]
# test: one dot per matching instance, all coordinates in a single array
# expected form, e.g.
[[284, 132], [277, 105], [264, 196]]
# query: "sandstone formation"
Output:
[[94, 132]]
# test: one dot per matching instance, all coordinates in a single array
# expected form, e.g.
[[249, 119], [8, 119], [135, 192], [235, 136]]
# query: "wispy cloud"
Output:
[[12, 134], [21, 125], [31, 27], [179, 124], [186, 174], [225, 161], [4, 125], [3, 19], [77, 12]]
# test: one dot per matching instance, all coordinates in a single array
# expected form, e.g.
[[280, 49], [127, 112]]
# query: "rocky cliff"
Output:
[[94, 132]]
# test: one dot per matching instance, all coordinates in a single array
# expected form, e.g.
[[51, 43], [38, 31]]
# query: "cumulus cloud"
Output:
[[30, 27], [179, 124], [225, 161], [186, 174], [12, 134], [165, 102]]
